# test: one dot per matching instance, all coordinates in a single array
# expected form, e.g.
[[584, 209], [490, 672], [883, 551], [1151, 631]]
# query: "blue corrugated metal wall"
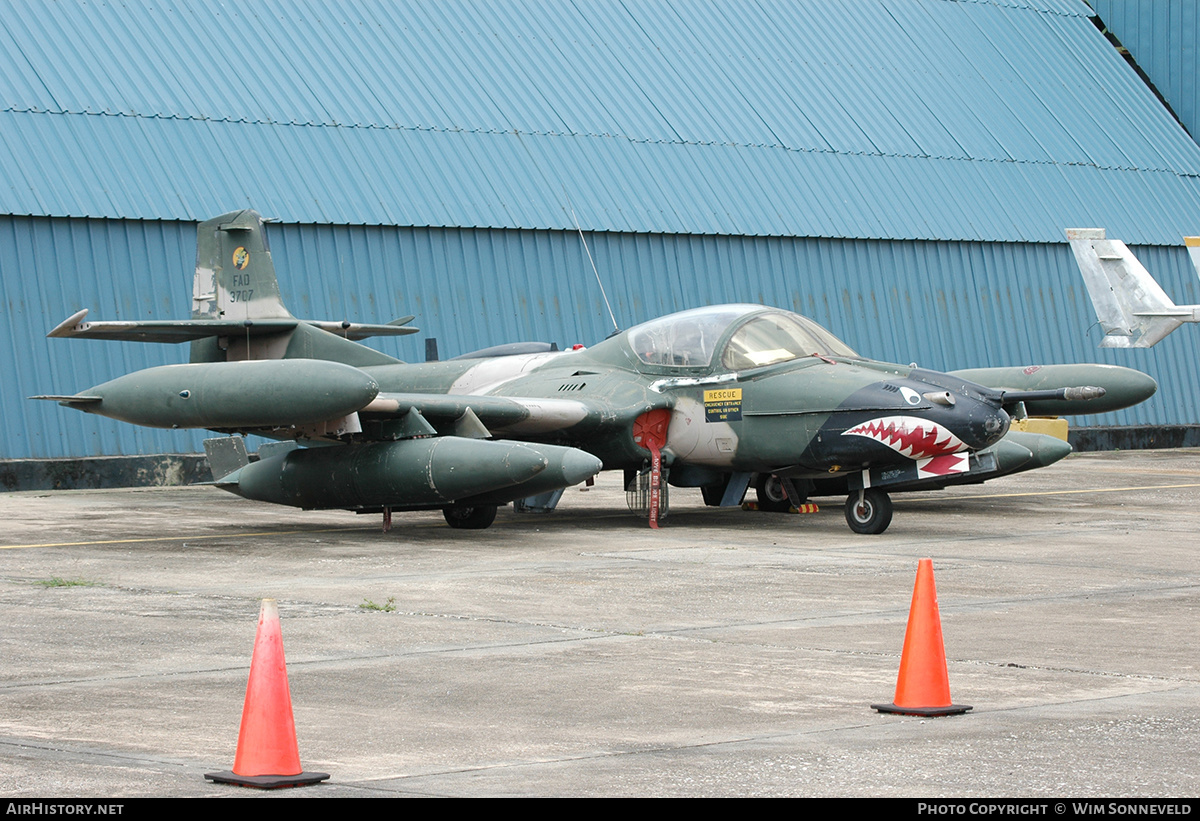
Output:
[[901, 170], [888, 119], [1164, 38], [944, 305], [51, 268]]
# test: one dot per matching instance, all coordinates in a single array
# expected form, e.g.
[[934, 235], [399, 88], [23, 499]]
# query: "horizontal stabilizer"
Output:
[[187, 330], [362, 330], [177, 330]]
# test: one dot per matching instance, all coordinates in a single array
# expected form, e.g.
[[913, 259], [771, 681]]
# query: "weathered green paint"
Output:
[[1123, 386], [413, 473], [238, 395], [744, 389]]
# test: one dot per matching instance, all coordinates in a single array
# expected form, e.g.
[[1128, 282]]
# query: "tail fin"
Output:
[[1193, 246], [1133, 310], [235, 277], [237, 312], [226, 455]]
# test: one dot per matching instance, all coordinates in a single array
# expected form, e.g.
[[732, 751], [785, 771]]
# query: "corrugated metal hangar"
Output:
[[899, 170]]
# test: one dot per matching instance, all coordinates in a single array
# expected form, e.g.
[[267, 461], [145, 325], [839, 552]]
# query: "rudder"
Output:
[[235, 275], [1133, 309]]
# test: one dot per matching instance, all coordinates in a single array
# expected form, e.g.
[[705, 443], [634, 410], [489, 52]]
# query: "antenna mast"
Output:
[[616, 327]]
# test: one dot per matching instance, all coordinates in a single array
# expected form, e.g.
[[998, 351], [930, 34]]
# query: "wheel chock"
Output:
[[807, 507]]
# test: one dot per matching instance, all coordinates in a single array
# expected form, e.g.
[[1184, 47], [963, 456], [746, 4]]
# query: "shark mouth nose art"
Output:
[[909, 436]]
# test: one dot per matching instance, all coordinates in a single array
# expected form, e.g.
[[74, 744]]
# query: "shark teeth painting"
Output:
[[909, 436]]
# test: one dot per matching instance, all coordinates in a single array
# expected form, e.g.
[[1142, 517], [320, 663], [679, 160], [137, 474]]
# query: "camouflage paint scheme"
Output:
[[714, 398]]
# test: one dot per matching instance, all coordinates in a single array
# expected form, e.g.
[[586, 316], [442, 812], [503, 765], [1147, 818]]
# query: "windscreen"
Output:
[[687, 339], [773, 338]]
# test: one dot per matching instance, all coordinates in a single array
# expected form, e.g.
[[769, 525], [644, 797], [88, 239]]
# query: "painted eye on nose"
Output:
[[910, 396]]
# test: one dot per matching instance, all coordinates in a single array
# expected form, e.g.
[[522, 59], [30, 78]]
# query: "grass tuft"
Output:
[[388, 607]]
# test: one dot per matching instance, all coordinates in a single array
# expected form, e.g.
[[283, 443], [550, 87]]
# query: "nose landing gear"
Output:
[[869, 511]]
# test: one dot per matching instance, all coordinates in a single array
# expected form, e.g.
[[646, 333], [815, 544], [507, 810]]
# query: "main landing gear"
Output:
[[869, 511], [470, 517], [771, 496], [777, 495]]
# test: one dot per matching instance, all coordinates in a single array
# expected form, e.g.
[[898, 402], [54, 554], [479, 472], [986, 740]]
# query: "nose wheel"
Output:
[[869, 511]]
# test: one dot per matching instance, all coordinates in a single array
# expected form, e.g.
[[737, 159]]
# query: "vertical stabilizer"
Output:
[[237, 312], [235, 277], [1133, 310], [1193, 246], [226, 455]]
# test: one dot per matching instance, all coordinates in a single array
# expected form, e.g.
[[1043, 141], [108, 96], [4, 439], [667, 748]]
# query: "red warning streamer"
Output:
[[650, 431]]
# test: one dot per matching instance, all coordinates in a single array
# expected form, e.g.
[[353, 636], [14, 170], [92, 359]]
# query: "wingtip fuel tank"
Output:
[[411, 473], [1121, 387], [231, 395]]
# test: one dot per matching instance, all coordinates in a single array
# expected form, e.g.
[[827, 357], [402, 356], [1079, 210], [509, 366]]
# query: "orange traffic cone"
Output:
[[923, 687], [267, 753]]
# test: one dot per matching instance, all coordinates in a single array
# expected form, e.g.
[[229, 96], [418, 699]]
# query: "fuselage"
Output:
[[714, 395], [743, 393]]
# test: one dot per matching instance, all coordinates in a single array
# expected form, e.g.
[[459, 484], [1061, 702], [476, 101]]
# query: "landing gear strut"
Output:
[[771, 495], [869, 511], [470, 517]]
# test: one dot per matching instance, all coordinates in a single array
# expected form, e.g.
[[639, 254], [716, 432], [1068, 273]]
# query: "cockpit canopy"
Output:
[[744, 336]]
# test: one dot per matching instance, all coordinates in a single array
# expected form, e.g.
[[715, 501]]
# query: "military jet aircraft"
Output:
[[1133, 310], [712, 397]]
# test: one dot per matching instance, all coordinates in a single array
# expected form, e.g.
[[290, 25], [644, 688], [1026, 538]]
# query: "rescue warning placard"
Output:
[[723, 405]]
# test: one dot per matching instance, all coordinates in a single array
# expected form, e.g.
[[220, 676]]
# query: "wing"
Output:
[[187, 330], [497, 414]]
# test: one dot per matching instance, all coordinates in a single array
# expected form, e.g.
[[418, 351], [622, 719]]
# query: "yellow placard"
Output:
[[723, 405], [725, 395]]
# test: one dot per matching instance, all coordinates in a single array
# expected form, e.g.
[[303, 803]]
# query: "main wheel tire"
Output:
[[466, 517], [873, 515], [771, 496]]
